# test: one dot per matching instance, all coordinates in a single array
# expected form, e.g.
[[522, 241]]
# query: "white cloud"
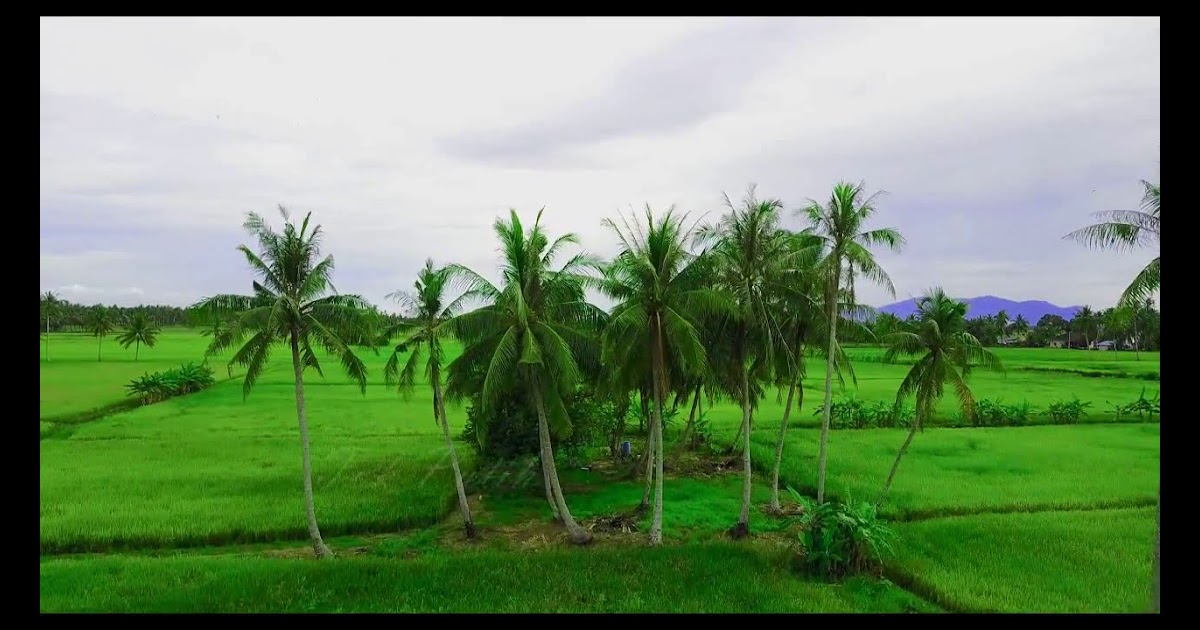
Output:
[[407, 137]]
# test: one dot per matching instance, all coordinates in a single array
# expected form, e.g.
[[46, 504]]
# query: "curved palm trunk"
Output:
[[99, 348], [687, 430], [887, 485], [310, 511], [440, 409], [548, 487], [822, 457], [578, 535], [656, 524], [787, 410], [1154, 571], [137, 349], [742, 528]]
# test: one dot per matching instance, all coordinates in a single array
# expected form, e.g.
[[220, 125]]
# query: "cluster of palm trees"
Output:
[[726, 309], [140, 329]]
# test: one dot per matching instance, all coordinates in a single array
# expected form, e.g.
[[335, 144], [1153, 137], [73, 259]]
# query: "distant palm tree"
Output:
[[140, 330], [947, 354], [532, 333], [100, 322], [294, 303], [424, 332], [51, 308], [1128, 229], [663, 290], [1021, 325], [840, 222], [754, 259]]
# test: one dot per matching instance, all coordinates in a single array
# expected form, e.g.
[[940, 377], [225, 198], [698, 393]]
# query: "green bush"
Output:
[[841, 539], [1067, 411], [159, 386], [994, 413], [849, 412], [1142, 407], [510, 431]]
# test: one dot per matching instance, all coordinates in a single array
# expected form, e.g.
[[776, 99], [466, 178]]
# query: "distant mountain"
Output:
[[1033, 310]]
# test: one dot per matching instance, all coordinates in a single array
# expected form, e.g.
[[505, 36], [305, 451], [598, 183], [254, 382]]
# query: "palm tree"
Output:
[[533, 332], [1129, 229], [51, 307], [294, 303], [100, 323], [1084, 323], [947, 355], [662, 291], [840, 223], [1002, 323], [141, 330], [1122, 230], [754, 259], [424, 333], [1021, 326]]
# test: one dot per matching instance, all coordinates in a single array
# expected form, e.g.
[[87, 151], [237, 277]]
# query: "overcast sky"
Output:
[[406, 138]]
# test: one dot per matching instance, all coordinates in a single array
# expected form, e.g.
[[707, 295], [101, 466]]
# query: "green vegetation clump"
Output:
[[159, 386]]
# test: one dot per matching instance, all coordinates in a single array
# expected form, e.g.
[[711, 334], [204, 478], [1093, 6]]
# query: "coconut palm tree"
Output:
[[662, 289], [947, 354], [293, 303], [754, 259], [1129, 229], [533, 332], [51, 308], [841, 224], [1124, 230], [1085, 323], [100, 323], [424, 333], [140, 331]]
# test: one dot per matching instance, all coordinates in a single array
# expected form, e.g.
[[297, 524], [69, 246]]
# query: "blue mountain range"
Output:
[[1032, 310]]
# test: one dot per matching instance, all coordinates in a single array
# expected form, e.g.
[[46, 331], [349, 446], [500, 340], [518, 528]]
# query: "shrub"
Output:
[[848, 412], [994, 413], [159, 386], [1142, 407], [1068, 411], [841, 539], [510, 430]]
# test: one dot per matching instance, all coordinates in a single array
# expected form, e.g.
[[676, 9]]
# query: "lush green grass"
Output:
[[1087, 362], [1047, 562], [950, 471], [73, 381], [211, 468], [214, 468], [700, 578]]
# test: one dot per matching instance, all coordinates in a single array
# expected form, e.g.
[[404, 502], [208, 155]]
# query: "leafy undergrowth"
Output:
[[1047, 562], [712, 577], [948, 471]]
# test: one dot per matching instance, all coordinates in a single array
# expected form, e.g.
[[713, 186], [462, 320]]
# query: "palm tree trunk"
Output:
[[648, 476], [99, 348], [1154, 570], [549, 487], [578, 535], [821, 458], [468, 523], [779, 447], [47, 340], [887, 485], [742, 528], [687, 430], [310, 510], [656, 524], [137, 349]]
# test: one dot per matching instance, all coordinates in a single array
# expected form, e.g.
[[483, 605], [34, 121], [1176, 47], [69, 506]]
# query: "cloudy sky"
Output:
[[406, 138]]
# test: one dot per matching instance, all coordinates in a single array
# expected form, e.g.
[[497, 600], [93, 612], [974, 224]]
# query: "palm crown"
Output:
[[1129, 229], [291, 303]]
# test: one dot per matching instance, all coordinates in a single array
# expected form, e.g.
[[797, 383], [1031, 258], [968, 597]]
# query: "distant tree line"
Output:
[[1133, 327]]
